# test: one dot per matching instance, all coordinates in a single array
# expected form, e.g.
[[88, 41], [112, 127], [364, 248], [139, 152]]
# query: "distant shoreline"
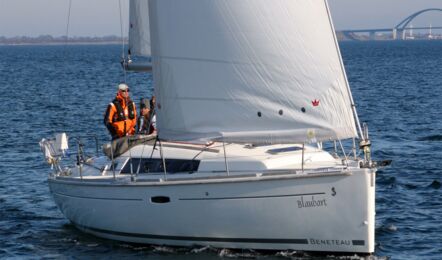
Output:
[[62, 40], [112, 39], [61, 43]]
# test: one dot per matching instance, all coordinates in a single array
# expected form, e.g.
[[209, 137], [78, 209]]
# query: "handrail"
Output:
[[78, 139]]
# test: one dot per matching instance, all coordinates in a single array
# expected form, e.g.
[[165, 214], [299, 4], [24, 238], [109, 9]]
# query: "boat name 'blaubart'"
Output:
[[330, 242], [311, 203]]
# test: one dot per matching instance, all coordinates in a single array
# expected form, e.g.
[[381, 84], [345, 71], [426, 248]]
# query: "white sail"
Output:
[[248, 71], [139, 32]]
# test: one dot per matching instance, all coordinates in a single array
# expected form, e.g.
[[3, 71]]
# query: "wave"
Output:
[[433, 138], [435, 185]]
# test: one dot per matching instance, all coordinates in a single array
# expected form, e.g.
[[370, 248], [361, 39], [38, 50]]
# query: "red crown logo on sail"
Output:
[[315, 102]]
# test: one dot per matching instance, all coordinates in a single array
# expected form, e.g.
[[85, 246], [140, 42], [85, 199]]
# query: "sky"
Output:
[[102, 17]]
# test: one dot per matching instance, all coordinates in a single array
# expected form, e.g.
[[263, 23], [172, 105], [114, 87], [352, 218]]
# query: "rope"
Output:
[[139, 163]]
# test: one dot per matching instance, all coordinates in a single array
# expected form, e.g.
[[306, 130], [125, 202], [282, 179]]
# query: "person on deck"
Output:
[[121, 114], [153, 116], [147, 120], [144, 118]]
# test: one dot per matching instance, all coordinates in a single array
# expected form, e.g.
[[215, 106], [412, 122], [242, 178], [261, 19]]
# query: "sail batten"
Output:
[[248, 71]]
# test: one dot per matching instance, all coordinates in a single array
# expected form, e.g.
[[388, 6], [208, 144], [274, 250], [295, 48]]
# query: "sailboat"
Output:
[[248, 95]]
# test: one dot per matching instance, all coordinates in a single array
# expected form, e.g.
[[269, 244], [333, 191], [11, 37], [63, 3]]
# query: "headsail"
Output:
[[139, 32], [248, 71]]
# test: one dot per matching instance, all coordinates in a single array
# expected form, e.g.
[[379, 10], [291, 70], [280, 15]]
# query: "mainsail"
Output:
[[139, 32], [248, 71]]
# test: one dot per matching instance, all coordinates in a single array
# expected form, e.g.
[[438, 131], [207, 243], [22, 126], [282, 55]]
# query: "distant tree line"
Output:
[[62, 39]]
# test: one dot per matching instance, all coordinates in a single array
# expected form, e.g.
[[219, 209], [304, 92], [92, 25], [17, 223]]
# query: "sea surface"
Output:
[[397, 87]]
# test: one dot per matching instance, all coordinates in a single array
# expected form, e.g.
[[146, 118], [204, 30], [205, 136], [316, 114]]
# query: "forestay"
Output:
[[248, 71], [139, 32]]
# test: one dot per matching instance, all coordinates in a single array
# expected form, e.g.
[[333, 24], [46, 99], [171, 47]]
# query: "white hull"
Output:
[[311, 212], [223, 73]]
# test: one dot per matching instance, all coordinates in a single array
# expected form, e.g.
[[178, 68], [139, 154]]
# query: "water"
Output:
[[50, 89]]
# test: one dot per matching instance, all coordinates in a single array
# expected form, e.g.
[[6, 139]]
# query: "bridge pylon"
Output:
[[398, 34]]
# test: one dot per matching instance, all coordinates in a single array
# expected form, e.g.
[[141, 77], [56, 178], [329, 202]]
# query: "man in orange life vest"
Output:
[[121, 114]]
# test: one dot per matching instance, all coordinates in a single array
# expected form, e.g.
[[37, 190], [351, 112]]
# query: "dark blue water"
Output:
[[397, 87]]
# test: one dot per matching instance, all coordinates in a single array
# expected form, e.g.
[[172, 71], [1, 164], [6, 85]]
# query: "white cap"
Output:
[[123, 86]]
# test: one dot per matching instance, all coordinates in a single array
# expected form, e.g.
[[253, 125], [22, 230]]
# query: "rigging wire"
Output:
[[64, 51], [122, 39], [67, 23]]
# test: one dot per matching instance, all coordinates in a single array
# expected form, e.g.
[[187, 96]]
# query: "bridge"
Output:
[[398, 30]]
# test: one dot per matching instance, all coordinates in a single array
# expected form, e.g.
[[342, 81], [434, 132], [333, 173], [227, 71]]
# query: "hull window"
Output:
[[148, 165]]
